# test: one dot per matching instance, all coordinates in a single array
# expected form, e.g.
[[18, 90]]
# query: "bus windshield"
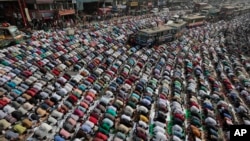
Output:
[[204, 12], [14, 31], [142, 36]]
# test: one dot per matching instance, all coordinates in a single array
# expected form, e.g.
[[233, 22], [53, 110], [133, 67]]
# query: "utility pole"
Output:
[[22, 6]]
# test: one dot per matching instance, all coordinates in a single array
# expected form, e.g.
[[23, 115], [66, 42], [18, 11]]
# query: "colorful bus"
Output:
[[9, 35], [195, 20], [155, 35], [200, 6], [227, 12], [241, 10], [179, 26]]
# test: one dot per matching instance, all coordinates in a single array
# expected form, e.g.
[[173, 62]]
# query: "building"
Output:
[[50, 9], [41, 9], [10, 12], [88, 6], [65, 8], [29, 10]]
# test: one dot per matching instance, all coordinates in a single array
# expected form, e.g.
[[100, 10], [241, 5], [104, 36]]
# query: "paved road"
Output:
[[69, 70]]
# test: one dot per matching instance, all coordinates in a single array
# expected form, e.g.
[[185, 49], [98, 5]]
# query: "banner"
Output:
[[133, 4], [27, 14], [66, 12]]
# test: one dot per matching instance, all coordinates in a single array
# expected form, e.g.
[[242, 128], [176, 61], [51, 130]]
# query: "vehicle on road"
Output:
[[194, 20], [9, 35], [159, 34]]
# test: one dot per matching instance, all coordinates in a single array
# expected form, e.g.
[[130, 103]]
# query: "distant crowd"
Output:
[[237, 35]]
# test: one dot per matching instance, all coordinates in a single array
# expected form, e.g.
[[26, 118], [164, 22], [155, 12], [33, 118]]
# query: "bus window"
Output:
[[2, 34], [166, 32], [174, 31], [142, 36], [153, 34], [14, 31], [159, 34], [5, 34]]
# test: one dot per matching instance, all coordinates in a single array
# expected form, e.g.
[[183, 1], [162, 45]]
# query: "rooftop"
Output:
[[156, 29], [191, 17], [177, 24]]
